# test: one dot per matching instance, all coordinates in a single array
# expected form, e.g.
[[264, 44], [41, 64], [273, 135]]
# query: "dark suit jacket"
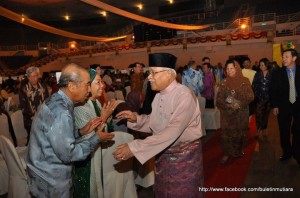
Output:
[[280, 88]]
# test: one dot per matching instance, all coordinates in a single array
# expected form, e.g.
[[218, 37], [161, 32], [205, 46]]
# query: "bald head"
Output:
[[71, 73], [75, 82]]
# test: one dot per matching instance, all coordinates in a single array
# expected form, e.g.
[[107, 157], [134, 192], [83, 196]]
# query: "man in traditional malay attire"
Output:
[[175, 122]]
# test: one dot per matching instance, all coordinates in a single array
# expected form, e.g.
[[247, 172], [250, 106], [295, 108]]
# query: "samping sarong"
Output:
[[179, 171]]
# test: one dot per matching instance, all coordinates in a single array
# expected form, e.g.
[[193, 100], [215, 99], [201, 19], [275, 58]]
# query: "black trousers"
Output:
[[289, 124]]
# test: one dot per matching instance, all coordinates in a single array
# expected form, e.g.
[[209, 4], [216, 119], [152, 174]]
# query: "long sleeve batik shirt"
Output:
[[52, 148], [194, 80]]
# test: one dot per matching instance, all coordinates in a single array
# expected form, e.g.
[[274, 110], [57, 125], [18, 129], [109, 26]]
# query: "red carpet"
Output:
[[231, 175]]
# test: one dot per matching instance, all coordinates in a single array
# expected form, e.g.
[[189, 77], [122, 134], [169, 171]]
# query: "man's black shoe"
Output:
[[284, 157]]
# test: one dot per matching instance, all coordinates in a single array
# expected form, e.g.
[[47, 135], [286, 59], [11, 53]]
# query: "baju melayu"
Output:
[[53, 148], [175, 122]]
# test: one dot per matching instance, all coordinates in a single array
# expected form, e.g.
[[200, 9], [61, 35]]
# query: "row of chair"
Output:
[[117, 94], [118, 176], [18, 125], [13, 171]]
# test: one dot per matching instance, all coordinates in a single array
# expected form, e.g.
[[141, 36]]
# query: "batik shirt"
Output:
[[53, 148], [193, 79], [30, 99]]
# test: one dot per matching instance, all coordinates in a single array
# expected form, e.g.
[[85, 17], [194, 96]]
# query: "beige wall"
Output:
[[218, 52]]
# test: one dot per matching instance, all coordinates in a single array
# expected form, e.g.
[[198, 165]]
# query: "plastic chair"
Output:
[[201, 101], [118, 178], [119, 95], [128, 90], [7, 104], [4, 130], [17, 183], [212, 119], [18, 124], [212, 116], [110, 95], [16, 100]]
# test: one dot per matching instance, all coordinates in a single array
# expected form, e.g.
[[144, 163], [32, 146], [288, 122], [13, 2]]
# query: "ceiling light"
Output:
[[103, 13], [140, 6], [73, 45], [170, 1], [67, 17], [243, 26]]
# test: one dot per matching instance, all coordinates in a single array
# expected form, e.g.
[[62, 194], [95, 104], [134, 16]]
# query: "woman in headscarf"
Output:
[[85, 185], [234, 95], [103, 98]]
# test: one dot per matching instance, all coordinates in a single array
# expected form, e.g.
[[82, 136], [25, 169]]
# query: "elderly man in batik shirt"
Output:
[[31, 95], [193, 78], [175, 122], [52, 147]]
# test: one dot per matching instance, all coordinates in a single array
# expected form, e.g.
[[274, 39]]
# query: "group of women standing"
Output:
[[234, 95]]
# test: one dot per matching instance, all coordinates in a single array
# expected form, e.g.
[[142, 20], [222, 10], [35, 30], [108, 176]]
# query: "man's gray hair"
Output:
[[71, 73], [173, 70], [32, 69]]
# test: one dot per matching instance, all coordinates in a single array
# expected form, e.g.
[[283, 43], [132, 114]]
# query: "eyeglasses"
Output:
[[153, 72]]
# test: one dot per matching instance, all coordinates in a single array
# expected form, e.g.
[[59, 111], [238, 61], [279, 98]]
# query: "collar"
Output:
[[169, 88], [293, 69], [32, 87], [65, 98]]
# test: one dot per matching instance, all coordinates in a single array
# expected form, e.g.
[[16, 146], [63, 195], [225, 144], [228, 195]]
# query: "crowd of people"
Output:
[[68, 119]]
